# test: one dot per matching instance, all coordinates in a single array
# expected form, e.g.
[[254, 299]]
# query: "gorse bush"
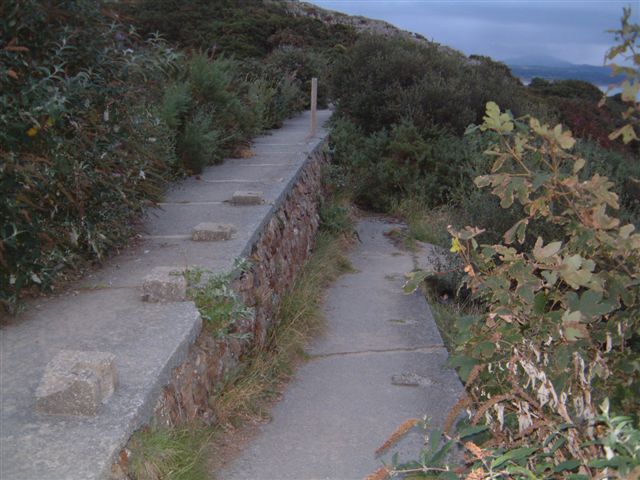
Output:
[[302, 64], [198, 144]]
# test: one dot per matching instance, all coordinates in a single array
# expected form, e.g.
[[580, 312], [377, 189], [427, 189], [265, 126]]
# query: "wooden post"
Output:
[[314, 105]]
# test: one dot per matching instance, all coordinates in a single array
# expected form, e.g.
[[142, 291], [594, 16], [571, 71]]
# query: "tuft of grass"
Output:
[[298, 319], [160, 453], [428, 225]]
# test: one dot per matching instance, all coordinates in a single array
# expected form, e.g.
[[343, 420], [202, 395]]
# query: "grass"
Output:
[[298, 319], [425, 224], [161, 453], [184, 453]]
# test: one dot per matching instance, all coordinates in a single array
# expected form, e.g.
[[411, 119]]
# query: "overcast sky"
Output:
[[572, 30]]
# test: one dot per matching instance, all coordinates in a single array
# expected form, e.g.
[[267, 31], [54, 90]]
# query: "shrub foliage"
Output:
[[81, 147], [551, 364], [95, 119]]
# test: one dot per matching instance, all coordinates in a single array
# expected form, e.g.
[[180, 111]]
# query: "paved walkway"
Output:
[[380, 363], [104, 312]]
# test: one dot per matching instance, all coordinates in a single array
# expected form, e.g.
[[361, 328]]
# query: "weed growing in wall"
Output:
[[219, 304]]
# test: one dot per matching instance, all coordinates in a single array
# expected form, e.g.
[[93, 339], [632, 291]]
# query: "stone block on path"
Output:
[[242, 197], [76, 383], [165, 284], [212, 232]]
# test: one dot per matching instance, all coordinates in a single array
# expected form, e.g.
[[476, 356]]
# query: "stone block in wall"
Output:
[[165, 284], [76, 383], [244, 197], [212, 232]]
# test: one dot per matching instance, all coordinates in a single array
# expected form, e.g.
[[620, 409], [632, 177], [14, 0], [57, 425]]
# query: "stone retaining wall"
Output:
[[277, 253]]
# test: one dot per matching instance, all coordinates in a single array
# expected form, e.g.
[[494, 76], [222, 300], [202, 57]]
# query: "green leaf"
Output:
[[516, 470], [517, 232], [513, 455], [630, 91], [627, 230], [578, 165], [542, 253], [470, 431], [448, 476], [414, 280], [484, 349], [464, 365], [627, 132], [567, 465], [471, 128], [539, 303]]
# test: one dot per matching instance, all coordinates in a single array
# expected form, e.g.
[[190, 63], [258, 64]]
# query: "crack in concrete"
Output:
[[422, 349]]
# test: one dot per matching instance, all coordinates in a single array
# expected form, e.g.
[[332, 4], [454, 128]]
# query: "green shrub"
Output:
[[210, 80], [566, 89], [81, 145], [302, 64], [249, 28], [335, 217], [168, 454], [199, 143], [176, 103], [558, 339], [381, 81]]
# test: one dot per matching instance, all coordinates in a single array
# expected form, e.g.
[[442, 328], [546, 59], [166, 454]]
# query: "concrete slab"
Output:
[[103, 312], [381, 363], [373, 311]]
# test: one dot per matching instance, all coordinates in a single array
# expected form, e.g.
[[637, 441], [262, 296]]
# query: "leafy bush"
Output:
[[558, 345], [302, 64], [386, 167], [81, 145], [380, 81], [576, 89], [95, 120]]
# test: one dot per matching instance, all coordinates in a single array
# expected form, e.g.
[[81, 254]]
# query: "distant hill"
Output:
[[540, 60], [551, 68]]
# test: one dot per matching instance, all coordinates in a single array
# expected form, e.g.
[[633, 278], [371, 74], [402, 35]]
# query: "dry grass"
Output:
[[193, 453], [298, 319], [168, 454]]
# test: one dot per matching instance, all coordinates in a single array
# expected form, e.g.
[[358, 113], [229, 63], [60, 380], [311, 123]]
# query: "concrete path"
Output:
[[380, 363], [104, 313]]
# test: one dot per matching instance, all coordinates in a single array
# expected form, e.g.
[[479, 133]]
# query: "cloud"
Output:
[[568, 29]]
